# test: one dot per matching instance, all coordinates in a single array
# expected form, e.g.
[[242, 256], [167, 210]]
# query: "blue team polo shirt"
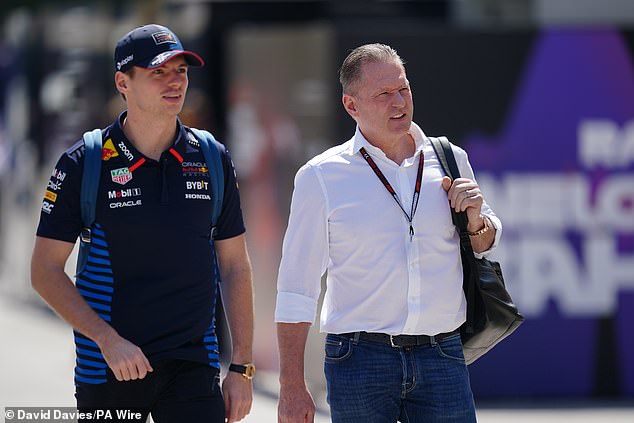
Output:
[[151, 270]]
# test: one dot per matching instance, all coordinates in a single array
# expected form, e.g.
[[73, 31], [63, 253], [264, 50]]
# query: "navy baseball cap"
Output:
[[149, 47]]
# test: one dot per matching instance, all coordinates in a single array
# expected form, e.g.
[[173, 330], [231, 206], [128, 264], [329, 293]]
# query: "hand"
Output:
[[238, 394], [296, 405], [126, 360], [465, 195]]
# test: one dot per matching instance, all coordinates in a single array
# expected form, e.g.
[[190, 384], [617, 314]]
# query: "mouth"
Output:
[[398, 117], [172, 97]]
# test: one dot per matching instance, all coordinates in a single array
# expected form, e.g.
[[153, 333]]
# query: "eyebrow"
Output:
[[388, 89]]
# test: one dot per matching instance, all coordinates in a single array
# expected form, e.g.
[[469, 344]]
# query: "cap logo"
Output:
[[163, 37], [160, 58], [124, 61]]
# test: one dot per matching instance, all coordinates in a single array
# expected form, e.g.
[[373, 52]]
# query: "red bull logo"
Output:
[[108, 151]]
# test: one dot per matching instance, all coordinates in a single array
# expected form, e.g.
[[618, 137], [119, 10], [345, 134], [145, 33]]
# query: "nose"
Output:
[[176, 79], [398, 100]]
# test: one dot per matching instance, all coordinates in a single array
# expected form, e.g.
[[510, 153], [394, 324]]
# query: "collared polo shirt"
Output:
[[379, 279], [151, 270]]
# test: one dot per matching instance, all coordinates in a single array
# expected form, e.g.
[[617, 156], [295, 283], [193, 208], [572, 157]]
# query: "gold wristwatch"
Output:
[[247, 370]]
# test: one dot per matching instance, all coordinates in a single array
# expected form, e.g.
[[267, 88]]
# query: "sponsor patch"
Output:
[[108, 151], [160, 58], [197, 185], [194, 168], [121, 176], [47, 207], [125, 151], [192, 140], [124, 193], [197, 197], [58, 174], [162, 37], [54, 185], [130, 203], [124, 61], [51, 196]]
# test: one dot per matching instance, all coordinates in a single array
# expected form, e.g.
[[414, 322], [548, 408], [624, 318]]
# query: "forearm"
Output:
[[56, 288], [237, 290], [291, 340]]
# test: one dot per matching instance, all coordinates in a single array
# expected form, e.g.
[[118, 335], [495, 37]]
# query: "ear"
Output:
[[121, 82], [350, 105]]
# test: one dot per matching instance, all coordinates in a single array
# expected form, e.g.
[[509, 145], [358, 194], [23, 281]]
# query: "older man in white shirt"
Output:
[[374, 213]]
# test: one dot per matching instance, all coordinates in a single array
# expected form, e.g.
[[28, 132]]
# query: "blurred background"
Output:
[[539, 92]]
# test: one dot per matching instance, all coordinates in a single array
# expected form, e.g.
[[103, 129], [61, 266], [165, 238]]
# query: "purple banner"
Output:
[[561, 176]]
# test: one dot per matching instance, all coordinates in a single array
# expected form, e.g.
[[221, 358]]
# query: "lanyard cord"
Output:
[[386, 184]]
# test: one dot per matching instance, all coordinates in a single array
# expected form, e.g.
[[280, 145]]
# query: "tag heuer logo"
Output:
[[121, 176]]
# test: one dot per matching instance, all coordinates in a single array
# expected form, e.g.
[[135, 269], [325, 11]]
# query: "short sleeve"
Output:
[[230, 222], [60, 216]]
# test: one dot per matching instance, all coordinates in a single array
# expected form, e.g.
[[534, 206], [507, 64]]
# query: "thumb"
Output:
[[446, 183]]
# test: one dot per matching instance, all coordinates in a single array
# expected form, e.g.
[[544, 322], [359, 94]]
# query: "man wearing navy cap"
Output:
[[143, 310]]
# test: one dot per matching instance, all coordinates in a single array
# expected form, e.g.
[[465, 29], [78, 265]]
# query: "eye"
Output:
[[182, 70], [157, 71]]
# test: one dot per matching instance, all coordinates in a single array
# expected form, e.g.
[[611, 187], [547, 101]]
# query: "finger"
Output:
[[463, 200], [117, 374], [242, 410], [474, 201], [446, 183], [125, 373], [234, 414], [148, 366], [143, 366], [141, 370], [133, 369], [247, 407]]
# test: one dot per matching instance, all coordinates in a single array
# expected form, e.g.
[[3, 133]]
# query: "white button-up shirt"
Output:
[[345, 222]]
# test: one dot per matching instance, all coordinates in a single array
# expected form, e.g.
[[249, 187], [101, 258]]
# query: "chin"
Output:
[[402, 126]]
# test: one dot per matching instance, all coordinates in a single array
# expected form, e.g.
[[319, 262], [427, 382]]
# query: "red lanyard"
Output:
[[386, 184]]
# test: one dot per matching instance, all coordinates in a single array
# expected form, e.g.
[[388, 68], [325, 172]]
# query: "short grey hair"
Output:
[[350, 71]]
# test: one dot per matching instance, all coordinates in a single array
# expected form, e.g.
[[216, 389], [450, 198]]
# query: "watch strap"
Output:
[[246, 370]]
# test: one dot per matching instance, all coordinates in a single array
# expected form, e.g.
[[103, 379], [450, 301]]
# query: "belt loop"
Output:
[[355, 340], [392, 342], [432, 341]]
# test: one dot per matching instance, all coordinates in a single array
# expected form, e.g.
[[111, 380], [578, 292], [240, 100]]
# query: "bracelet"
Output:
[[487, 226]]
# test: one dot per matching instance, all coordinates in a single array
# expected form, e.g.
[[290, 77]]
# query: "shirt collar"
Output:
[[359, 140], [126, 149]]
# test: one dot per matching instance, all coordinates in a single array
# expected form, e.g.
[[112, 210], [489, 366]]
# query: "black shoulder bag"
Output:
[[491, 313]]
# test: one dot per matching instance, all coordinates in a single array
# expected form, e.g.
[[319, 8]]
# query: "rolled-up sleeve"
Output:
[[466, 171], [304, 251]]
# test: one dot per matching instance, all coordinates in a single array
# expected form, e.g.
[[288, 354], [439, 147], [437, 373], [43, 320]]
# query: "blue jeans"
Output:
[[376, 383]]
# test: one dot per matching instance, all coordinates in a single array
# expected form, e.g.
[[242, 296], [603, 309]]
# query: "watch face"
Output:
[[247, 370], [250, 371]]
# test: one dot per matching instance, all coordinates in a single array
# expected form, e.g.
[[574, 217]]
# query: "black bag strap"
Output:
[[447, 160]]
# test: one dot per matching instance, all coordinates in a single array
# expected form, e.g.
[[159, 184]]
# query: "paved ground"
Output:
[[36, 366]]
